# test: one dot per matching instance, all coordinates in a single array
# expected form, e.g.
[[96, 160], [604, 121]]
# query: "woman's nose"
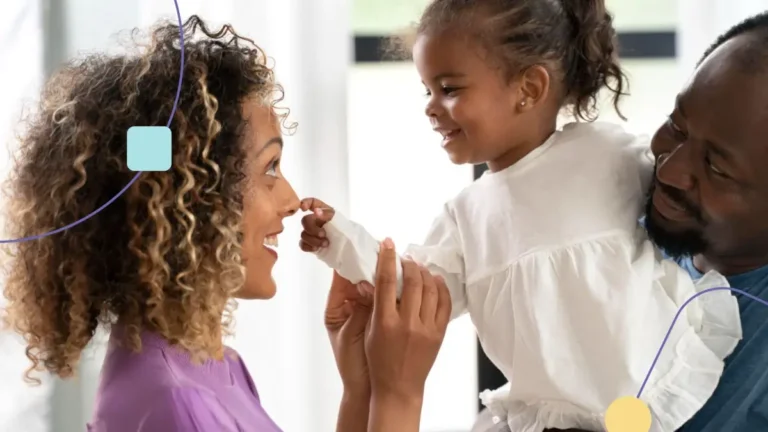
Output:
[[289, 204]]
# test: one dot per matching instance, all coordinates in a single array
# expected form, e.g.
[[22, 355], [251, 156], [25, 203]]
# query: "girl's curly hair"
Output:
[[164, 257]]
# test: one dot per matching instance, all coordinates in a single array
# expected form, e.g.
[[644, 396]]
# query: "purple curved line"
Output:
[[136, 177], [679, 311]]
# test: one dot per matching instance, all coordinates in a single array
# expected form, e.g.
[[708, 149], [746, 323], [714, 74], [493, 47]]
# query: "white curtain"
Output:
[[282, 340], [22, 408]]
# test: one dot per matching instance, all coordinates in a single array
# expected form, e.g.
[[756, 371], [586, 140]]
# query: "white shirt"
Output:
[[570, 299]]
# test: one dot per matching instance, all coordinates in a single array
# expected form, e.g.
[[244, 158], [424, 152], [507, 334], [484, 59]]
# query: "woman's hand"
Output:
[[403, 340], [346, 314]]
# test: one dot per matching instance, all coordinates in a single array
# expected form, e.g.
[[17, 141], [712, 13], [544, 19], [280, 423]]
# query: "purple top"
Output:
[[160, 389]]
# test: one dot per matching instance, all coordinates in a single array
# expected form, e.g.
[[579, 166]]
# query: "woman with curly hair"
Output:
[[161, 266]]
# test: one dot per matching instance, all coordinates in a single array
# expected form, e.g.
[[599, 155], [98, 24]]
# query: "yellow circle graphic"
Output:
[[628, 414]]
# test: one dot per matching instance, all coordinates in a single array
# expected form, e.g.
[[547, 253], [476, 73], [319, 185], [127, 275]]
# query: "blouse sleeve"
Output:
[[353, 253], [441, 254]]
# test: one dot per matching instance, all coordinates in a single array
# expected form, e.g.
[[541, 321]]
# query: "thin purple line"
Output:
[[679, 311], [136, 177]]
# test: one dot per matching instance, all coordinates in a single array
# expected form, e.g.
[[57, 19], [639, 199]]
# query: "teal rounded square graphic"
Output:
[[149, 148]]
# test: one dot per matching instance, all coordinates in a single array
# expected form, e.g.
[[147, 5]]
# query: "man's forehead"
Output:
[[727, 102], [726, 75]]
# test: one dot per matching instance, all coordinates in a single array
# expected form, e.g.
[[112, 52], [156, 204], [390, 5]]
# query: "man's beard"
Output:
[[676, 244]]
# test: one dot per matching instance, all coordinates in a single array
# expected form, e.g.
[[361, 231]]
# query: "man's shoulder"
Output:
[[754, 281]]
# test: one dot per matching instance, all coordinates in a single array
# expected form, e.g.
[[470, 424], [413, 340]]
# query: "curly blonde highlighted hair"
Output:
[[164, 257]]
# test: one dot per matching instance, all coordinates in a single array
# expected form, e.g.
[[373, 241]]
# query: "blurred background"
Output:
[[363, 145]]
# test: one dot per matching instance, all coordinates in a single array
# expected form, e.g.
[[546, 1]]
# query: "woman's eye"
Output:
[[272, 168]]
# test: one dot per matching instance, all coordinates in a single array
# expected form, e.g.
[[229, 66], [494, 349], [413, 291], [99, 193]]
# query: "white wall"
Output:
[[653, 85], [704, 20], [399, 180], [383, 16]]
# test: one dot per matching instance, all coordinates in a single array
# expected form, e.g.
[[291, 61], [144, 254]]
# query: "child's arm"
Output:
[[351, 251]]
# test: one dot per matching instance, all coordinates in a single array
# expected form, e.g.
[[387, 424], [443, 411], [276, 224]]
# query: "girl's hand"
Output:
[[313, 235]]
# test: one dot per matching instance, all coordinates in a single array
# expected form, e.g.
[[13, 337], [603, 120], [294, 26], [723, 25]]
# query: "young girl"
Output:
[[570, 299]]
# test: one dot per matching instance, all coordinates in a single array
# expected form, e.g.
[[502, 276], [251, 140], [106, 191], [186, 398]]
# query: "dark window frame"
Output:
[[632, 45]]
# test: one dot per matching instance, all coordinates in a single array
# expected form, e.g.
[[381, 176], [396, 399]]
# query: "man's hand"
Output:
[[313, 235]]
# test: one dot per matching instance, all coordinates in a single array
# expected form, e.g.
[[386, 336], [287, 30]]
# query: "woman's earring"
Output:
[[522, 103]]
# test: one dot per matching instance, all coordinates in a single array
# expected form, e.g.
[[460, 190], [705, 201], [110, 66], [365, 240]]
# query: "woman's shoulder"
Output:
[[167, 408], [161, 389], [240, 374]]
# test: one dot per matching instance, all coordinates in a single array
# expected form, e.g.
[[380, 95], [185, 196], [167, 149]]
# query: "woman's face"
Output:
[[268, 198]]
